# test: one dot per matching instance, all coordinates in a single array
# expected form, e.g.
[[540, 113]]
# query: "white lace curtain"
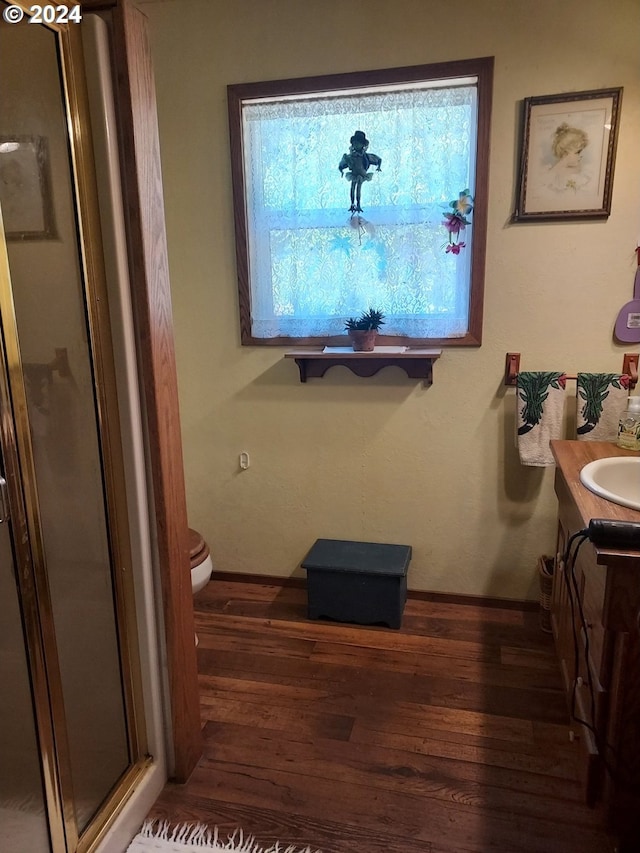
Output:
[[312, 264]]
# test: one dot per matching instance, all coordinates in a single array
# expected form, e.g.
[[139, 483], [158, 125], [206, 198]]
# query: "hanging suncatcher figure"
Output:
[[357, 161]]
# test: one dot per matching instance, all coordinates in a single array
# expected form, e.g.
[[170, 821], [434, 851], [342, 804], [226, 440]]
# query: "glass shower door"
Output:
[[55, 324], [23, 820]]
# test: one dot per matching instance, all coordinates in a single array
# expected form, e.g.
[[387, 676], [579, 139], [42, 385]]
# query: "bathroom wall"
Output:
[[385, 459]]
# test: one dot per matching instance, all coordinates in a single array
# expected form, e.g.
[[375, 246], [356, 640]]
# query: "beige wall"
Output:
[[385, 459]]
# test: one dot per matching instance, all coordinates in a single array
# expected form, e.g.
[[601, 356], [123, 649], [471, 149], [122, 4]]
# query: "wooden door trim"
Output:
[[151, 295]]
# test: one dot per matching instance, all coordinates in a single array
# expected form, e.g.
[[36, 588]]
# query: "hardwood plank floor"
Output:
[[447, 736]]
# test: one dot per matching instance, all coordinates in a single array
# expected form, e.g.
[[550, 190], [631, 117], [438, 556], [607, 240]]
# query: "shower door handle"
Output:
[[4, 500]]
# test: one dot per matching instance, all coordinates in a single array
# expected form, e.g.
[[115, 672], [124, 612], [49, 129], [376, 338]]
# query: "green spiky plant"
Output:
[[368, 321]]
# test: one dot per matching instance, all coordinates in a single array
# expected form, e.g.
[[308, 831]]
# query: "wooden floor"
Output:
[[448, 736]]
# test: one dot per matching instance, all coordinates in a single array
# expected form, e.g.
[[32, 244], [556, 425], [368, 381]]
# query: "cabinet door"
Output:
[[561, 619], [569, 642]]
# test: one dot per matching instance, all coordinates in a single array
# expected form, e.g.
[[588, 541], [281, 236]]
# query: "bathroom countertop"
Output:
[[571, 457]]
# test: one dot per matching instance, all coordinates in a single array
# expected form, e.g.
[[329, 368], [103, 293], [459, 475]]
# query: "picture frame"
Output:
[[25, 188], [567, 156]]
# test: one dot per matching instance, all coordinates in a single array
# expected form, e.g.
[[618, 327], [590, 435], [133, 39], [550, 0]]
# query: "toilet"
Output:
[[200, 559]]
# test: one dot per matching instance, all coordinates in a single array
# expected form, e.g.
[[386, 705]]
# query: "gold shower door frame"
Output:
[[20, 474]]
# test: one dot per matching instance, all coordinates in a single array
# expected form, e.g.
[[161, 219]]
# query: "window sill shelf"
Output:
[[416, 363]]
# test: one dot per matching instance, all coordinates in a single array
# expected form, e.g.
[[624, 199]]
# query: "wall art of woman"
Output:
[[568, 172]]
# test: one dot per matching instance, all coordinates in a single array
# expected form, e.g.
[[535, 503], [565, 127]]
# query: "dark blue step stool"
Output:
[[361, 582]]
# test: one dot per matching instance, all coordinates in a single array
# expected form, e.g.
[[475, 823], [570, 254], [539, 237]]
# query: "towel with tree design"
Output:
[[540, 397], [600, 399]]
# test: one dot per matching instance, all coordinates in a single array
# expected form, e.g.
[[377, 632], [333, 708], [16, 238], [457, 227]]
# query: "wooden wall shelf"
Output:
[[416, 363]]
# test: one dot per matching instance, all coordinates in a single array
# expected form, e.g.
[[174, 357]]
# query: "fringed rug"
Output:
[[161, 837]]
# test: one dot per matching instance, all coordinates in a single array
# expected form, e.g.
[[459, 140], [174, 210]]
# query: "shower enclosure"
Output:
[[73, 734]]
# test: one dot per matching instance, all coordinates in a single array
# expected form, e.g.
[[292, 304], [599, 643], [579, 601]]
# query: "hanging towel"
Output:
[[600, 399], [540, 400]]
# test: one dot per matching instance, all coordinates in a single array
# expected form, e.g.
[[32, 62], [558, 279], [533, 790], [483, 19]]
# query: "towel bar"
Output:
[[512, 368]]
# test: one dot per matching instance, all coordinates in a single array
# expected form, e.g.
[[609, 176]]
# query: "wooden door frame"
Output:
[[151, 297]]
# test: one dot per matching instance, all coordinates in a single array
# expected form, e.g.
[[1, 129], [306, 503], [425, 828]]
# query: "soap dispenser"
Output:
[[629, 425]]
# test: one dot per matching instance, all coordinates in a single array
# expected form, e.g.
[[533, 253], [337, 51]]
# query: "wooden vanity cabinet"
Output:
[[595, 618]]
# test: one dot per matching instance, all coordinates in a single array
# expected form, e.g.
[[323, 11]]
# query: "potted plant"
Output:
[[363, 331]]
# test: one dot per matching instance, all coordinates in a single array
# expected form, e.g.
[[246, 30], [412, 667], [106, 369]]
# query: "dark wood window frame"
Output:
[[481, 68]]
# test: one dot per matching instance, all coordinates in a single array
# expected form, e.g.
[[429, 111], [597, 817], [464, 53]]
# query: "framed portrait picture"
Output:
[[25, 188], [567, 157]]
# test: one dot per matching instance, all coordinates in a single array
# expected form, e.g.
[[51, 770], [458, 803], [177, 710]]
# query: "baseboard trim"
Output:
[[419, 595], [475, 600], [245, 577]]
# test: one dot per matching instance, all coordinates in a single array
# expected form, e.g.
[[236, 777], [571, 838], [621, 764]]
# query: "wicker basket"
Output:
[[545, 574]]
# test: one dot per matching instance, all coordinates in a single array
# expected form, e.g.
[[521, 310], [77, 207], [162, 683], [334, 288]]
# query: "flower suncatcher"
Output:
[[455, 221]]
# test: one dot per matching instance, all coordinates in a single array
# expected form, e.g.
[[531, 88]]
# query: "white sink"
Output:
[[616, 479]]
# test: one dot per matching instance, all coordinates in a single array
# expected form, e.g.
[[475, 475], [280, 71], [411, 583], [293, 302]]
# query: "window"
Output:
[[306, 260]]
